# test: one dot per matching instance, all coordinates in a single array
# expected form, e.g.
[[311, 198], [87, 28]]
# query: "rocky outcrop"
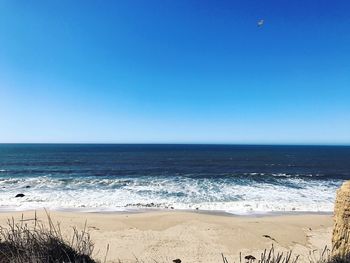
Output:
[[341, 231]]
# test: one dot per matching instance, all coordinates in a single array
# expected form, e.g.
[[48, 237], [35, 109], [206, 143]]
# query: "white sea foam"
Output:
[[118, 194]]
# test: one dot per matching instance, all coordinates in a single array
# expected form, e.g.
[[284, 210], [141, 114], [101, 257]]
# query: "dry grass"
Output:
[[268, 256], [39, 243], [324, 256]]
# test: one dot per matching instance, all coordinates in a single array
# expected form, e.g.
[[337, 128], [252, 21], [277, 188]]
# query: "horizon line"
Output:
[[183, 143]]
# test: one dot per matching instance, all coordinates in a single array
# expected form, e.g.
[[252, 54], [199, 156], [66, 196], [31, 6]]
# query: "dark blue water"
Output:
[[231, 178]]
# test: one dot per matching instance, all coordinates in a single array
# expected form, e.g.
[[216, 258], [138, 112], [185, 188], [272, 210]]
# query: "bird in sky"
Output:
[[260, 23]]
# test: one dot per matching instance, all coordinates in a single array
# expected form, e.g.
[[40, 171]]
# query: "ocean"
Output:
[[237, 179]]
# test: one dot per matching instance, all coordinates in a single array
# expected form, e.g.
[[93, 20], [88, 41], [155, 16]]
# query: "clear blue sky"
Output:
[[175, 71]]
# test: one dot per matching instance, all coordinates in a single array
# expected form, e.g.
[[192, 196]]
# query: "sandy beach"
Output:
[[190, 236]]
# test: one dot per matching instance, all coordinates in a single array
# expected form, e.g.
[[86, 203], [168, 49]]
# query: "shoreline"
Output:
[[191, 236], [161, 210]]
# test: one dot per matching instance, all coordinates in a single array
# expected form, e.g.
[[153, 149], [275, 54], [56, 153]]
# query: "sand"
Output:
[[192, 236]]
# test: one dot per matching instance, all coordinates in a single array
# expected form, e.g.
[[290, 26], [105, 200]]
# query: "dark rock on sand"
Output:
[[19, 195], [177, 260], [249, 258]]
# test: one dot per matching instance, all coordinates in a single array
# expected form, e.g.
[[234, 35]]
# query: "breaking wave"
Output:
[[232, 194]]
